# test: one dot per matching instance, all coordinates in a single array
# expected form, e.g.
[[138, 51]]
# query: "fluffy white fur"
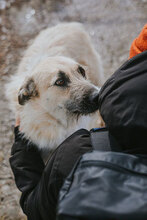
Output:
[[44, 119]]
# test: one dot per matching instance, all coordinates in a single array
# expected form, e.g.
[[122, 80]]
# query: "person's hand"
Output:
[[17, 121]]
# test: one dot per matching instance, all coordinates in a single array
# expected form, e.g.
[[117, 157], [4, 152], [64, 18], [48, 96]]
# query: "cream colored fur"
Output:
[[44, 119]]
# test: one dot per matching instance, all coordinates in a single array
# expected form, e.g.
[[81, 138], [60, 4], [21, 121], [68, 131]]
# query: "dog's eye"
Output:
[[81, 71], [60, 82]]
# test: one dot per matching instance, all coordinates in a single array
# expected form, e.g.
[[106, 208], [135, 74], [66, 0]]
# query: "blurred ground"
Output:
[[112, 25]]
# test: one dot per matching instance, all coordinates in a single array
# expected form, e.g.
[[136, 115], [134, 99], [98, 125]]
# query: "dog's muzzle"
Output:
[[84, 104]]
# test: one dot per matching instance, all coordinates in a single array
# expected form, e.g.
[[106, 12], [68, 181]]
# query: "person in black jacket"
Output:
[[40, 184], [123, 106]]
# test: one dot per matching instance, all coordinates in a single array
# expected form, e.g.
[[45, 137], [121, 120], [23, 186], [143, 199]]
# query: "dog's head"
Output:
[[61, 87]]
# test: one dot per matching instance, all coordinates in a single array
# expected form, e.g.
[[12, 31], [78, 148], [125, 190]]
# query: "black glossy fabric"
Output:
[[105, 186], [123, 103]]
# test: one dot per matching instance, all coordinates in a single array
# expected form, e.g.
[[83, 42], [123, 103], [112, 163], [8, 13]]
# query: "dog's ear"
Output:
[[27, 91]]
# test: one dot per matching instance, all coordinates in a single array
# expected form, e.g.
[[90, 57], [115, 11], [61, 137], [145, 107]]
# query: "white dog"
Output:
[[55, 89]]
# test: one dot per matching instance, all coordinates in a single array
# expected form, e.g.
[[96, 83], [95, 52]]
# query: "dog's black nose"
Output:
[[94, 97]]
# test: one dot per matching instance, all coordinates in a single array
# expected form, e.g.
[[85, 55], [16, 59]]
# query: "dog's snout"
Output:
[[85, 102], [94, 97]]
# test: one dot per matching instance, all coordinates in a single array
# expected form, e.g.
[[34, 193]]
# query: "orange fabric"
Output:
[[140, 43]]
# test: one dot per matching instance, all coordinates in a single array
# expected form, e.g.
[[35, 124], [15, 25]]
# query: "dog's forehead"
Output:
[[50, 67]]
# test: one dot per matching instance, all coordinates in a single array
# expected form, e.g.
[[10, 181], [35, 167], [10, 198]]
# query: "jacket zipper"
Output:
[[110, 165]]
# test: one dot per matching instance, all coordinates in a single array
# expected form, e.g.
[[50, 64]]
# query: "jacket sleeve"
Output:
[[27, 167], [40, 184]]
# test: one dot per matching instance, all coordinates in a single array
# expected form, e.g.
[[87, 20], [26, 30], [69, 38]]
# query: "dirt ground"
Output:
[[112, 25]]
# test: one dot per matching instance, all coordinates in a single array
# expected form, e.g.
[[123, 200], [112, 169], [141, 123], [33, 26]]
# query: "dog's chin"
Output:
[[77, 112], [80, 108]]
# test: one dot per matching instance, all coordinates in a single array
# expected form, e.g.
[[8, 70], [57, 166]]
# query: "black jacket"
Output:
[[38, 183], [123, 106]]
